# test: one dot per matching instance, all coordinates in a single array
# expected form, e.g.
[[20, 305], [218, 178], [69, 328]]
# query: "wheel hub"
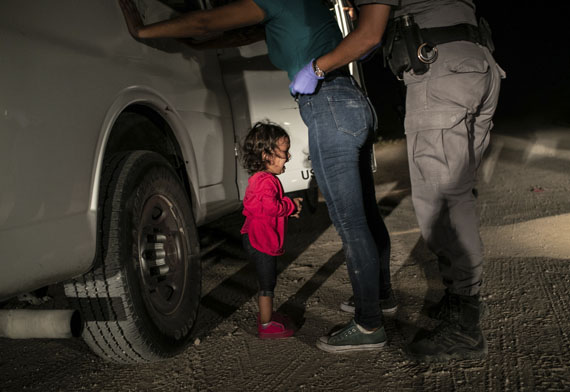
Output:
[[162, 254]]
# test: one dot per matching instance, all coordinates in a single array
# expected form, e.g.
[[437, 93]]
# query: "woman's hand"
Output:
[[132, 17], [305, 81]]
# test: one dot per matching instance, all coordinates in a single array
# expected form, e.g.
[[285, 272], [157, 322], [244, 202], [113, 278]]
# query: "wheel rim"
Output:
[[162, 255]]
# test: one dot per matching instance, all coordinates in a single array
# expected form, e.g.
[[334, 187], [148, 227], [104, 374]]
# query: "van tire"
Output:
[[139, 302]]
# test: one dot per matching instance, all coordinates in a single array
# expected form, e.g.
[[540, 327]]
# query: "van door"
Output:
[[206, 111], [259, 91]]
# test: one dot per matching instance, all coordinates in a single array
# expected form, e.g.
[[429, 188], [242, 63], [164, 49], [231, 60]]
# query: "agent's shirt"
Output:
[[297, 31], [266, 212], [430, 13]]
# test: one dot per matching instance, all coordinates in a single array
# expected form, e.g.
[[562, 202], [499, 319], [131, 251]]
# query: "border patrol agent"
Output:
[[443, 55]]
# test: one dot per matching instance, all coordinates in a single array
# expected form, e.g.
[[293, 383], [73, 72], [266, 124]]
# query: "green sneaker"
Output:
[[351, 338], [389, 305]]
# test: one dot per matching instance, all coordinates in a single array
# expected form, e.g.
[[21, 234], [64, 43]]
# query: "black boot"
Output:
[[440, 311], [458, 336]]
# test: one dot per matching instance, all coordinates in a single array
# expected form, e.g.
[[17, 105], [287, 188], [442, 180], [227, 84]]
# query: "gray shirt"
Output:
[[430, 13]]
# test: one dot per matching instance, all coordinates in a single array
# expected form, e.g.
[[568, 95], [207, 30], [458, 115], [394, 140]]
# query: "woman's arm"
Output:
[[372, 22], [196, 23], [230, 39]]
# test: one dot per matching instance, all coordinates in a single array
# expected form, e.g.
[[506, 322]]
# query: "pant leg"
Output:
[[340, 122], [448, 121], [448, 220], [374, 219], [266, 267]]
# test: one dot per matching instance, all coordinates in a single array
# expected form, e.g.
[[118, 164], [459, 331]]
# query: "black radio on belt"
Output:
[[407, 47]]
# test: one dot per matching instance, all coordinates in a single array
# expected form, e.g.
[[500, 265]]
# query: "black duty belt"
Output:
[[442, 35], [408, 47]]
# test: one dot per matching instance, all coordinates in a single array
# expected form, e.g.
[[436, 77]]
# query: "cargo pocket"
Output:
[[438, 146], [463, 80], [424, 120], [477, 65], [462, 57]]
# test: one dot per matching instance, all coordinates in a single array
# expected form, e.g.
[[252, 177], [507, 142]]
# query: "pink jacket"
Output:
[[266, 211]]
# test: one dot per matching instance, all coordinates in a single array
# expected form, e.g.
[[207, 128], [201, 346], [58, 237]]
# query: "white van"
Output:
[[112, 152]]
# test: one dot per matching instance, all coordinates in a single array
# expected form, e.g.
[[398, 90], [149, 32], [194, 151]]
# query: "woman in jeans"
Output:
[[341, 130]]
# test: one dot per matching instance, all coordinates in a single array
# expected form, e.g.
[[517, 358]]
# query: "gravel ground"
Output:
[[525, 221]]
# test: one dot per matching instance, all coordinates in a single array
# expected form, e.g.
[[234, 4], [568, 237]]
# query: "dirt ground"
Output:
[[525, 221]]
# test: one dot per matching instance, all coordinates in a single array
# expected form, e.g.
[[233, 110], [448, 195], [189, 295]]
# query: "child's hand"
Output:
[[297, 201]]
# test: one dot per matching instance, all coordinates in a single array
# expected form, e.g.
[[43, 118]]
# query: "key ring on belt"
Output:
[[430, 53]]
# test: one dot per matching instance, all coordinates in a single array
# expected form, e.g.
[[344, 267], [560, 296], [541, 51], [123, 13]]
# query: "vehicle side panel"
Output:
[[63, 65]]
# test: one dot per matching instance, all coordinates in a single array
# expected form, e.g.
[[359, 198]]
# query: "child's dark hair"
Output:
[[261, 139]]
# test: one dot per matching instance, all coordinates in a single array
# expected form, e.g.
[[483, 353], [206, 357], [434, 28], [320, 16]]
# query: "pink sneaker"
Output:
[[277, 328]]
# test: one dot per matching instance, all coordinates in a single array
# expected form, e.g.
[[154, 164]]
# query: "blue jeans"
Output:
[[341, 130]]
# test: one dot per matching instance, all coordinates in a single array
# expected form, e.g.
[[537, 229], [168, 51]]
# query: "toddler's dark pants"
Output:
[[266, 266]]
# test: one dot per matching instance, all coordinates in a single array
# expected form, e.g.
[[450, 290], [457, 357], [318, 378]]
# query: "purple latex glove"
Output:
[[305, 81], [368, 55]]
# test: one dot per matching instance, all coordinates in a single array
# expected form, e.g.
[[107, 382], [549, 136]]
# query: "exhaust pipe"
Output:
[[30, 324]]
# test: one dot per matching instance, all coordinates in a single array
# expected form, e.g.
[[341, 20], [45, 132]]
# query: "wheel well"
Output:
[[140, 127]]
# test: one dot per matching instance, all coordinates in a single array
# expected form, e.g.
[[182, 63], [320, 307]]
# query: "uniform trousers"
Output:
[[449, 113]]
